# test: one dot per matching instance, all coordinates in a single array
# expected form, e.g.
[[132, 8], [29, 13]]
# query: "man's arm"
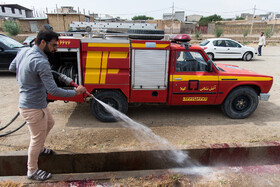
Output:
[[44, 71], [13, 64]]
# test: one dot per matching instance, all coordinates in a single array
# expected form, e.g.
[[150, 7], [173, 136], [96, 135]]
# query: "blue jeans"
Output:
[[260, 50]]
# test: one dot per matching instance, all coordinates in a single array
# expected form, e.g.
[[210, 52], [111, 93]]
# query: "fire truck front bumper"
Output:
[[264, 96]]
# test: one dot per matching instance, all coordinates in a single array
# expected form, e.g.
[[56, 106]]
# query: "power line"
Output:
[[229, 12], [266, 10], [146, 12]]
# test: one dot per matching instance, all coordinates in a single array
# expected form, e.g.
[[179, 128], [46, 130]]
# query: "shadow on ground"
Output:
[[163, 115]]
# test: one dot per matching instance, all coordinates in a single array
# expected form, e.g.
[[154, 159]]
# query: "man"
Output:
[[35, 79], [261, 43]]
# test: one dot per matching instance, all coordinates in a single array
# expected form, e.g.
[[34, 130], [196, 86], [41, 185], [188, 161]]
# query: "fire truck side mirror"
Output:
[[209, 66]]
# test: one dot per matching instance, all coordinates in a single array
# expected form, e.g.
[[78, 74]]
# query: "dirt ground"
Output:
[[76, 129]]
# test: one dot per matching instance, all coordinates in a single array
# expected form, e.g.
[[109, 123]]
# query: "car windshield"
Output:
[[204, 43], [10, 42], [29, 38]]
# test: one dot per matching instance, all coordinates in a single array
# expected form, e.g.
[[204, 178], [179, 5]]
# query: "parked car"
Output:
[[8, 50], [222, 48], [29, 41]]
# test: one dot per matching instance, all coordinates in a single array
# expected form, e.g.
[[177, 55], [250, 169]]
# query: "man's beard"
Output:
[[48, 52]]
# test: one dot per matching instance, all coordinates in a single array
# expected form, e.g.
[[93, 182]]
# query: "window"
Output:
[[204, 43], [20, 12], [188, 61], [3, 9], [230, 43], [219, 43], [13, 10]]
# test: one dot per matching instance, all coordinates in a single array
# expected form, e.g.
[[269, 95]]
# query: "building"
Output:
[[15, 11], [67, 10], [23, 16], [193, 18], [60, 21], [179, 15], [246, 15]]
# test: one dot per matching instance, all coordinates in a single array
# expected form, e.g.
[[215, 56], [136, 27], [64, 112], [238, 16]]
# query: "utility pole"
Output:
[[253, 20], [172, 18], [274, 15], [58, 27]]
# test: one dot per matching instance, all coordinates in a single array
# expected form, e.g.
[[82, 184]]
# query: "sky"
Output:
[[154, 8]]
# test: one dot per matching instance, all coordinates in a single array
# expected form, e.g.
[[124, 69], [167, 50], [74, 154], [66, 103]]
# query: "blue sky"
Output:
[[155, 8]]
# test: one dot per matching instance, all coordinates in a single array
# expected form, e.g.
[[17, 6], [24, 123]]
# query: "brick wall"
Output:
[[60, 22], [240, 28]]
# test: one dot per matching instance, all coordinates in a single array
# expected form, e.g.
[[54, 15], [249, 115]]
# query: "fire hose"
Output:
[[67, 80]]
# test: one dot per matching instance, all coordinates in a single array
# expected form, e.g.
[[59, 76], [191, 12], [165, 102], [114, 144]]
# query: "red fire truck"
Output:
[[121, 72]]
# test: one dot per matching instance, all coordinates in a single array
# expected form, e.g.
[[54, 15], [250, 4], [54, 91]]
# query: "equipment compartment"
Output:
[[66, 62]]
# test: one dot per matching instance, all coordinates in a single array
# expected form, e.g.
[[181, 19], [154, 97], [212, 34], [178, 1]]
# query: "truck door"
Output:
[[190, 82]]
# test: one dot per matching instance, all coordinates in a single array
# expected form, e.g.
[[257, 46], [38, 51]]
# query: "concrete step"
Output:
[[14, 163]]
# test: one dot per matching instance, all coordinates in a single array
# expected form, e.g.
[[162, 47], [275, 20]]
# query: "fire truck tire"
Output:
[[112, 97], [145, 34], [240, 103], [247, 56]]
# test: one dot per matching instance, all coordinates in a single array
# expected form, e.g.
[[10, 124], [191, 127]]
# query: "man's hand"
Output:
[[80, 90]]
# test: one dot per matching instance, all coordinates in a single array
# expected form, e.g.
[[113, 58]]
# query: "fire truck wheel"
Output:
[[113, 98], [240, 103]]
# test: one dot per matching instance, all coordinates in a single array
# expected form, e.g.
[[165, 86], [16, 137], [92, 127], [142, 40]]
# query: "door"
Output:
[[6, 55], [234, 49], [190, 82], [33, 26], [220, 49]]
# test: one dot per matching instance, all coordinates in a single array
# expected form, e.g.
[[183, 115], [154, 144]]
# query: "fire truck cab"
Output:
[[120, 72]]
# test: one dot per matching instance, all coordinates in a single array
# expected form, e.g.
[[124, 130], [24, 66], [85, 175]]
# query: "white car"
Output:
[[221, 48]]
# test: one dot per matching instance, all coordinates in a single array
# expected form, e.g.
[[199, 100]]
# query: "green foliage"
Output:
[[245, 33], [197, 34], [218, 32], [11, 27], [205, 20], [142, 17], [239, 18], [228, 19], [268, 32]]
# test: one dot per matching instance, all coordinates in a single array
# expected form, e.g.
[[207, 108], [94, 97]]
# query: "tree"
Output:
[[239, 18], [11, 27], [218, 31], [205, 20], [142, 17], [268, 32]]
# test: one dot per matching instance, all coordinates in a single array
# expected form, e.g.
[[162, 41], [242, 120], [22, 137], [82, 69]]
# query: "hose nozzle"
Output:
[[69, 82]]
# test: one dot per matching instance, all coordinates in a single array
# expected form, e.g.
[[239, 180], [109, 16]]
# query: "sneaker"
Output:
[[40, 175], [47, 151]]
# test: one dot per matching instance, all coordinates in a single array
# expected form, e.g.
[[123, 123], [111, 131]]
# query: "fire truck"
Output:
[[121, 72]]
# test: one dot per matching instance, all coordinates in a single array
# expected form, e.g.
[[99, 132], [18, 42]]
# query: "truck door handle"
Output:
[[215, 48], [178, 79]]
